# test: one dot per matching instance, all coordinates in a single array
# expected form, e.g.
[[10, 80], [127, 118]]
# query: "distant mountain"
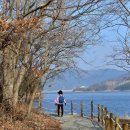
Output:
[[72, 79], [125, 86], [110, 85]]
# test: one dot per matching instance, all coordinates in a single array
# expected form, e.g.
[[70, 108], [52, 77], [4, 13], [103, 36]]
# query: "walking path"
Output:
[[69, 122]]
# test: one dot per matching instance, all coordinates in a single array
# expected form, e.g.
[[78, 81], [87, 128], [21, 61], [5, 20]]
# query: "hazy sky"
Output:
[[97, 56]]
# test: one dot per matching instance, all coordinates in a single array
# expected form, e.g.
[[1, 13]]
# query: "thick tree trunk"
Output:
[[13, 73], [8, 74], [17, 84], [19, 76], [31, 100]]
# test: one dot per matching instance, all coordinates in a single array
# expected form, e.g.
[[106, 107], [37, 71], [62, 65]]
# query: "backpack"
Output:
[[61, 99]]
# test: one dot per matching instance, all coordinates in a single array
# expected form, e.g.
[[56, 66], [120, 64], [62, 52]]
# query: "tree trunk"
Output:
[[17, 8], [19, 75], [17, 84], [1, 82], [31, 100], [8, 74], [40, 100]]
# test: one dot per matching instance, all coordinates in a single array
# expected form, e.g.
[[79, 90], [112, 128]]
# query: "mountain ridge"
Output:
[[72, 79], [110, 85]]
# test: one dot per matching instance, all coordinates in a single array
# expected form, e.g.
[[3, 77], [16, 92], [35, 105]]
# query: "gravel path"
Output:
[[69, 122]]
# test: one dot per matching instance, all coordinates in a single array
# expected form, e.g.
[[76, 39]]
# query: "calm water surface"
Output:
[[116, 102]]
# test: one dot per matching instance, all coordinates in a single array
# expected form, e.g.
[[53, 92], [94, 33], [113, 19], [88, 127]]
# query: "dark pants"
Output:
[[60, 106]]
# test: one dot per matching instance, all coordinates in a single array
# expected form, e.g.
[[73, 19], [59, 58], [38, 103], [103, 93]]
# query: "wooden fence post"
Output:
[[102, 115], [107, 123], [81, 109], [92, 109], [107, 114], [116, 125], [105, 111], [71, 108], [111, 122], [125, 126], [98, 112]]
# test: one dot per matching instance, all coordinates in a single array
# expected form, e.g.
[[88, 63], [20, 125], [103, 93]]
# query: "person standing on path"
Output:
[[60, 101]]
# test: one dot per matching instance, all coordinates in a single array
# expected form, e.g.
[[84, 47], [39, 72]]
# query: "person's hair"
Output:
[[60, 92]]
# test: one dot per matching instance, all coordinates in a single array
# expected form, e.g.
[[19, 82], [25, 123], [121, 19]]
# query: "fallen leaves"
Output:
[[36, 121]]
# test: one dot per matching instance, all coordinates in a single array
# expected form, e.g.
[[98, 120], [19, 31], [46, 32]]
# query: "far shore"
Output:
[[55, 91]]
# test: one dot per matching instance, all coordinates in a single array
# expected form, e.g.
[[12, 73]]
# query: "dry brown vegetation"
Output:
[[19, 120]]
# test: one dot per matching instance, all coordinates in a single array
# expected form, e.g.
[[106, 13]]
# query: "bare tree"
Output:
[[121, 13], [36, 36]]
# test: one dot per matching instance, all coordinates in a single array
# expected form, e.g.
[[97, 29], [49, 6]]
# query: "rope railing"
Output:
[[107, 120], [112, 120], [119, 126]]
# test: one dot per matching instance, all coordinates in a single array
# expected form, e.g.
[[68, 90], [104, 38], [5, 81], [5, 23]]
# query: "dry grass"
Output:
[[19, 121]]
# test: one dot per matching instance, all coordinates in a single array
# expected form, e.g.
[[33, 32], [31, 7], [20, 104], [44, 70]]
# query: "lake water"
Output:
[[116, 102]]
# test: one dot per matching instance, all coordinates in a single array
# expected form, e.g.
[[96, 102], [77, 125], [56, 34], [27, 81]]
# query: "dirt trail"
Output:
[[69, 122]]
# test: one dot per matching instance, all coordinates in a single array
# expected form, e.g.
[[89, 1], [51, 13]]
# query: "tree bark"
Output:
[[31, 100], [17, 8], [40, 100], [8, 74], [17, 84]]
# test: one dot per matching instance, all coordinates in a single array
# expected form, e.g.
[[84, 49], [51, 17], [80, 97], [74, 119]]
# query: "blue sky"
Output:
[[97, 55]]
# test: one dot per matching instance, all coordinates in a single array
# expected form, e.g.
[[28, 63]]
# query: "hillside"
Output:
[[125, 86], [72, 79], [110, 85]]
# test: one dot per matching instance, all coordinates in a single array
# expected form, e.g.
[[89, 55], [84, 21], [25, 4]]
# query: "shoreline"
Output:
[[55, 91]]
